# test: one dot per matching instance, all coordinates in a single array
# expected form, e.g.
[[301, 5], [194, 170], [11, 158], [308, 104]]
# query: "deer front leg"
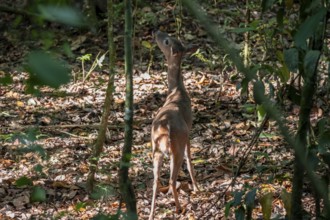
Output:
[[190, 167], [157, 161]]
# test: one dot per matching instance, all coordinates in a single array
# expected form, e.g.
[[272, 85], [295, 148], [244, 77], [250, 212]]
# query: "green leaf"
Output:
[[291, 59], [23, 181], [38, 194], [308, 28], [310, 62], [44, 69], [5, 78], [250, 198], [259, 92], [267, 4], [34, 148], [240, 213], [294, 94], [266, 204], [80, 206], [62, 14], [38, 168], [261, 112], [85, 57], [324, 142], [238, 198], [227, 207], [312, 158], [146, 44], [286, 198], [249, 108]]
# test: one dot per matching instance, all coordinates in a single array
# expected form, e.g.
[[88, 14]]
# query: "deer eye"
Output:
[[166, 42]]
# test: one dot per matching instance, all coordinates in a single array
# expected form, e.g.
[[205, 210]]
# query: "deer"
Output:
[[172, 124]]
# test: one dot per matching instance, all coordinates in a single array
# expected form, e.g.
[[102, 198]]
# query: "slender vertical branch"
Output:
[[98, 147], [125, 185]]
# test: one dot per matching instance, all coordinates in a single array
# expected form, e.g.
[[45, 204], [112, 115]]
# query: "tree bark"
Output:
[[98, 147], [125, 186]]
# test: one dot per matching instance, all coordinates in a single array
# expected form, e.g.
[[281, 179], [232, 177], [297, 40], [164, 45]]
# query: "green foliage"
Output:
[[308, 28], [62, 14], [259, 92], [242, 207], [5, 78], [291, 59], [98, 62], [286, 198], [266, 204], [45, 69], [23, 181], [310, 63], [38, 194]]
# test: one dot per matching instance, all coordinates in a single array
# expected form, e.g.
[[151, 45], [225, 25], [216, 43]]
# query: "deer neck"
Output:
[[175, 79]]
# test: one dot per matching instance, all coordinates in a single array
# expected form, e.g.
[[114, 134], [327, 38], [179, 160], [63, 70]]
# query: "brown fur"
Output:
[[172, 124]]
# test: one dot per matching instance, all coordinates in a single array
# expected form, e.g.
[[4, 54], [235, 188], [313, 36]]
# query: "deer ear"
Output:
[[191, 48]]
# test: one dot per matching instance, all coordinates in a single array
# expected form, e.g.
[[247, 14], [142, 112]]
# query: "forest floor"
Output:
[[49, 137]]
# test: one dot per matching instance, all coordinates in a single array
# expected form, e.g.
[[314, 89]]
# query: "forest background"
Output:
[[259, 85]]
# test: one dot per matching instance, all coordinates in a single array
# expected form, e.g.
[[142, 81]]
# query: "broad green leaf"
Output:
[[312, 158], [284, 74], [240, 213], [261, 112], [38, 194], [321, 126], [286, 198], [294, 94], [23, 181], [266, 204], [324, 142], [62, 14], [228, 206], [238, 198], [291, 59], [310, 62], [45, 69], [259, 92], [250, 198], [308, 28]]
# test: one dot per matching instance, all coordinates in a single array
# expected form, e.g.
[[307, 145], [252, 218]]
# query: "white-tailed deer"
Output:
[[172, 124]]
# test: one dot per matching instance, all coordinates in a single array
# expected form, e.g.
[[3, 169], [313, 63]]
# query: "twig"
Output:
[[241, 164]]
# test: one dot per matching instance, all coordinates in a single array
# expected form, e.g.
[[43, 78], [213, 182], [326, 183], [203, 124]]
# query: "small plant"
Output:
[[150, 47], [98, 62]]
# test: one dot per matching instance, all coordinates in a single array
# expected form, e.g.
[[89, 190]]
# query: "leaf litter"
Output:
[[65, 124]]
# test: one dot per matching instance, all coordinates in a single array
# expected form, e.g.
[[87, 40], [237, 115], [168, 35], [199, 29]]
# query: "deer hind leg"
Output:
[[190, 167], [157, 162], [175, 164]]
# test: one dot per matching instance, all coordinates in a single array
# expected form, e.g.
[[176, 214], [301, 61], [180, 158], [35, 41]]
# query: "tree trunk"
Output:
[[126, 188], [98, 147]]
